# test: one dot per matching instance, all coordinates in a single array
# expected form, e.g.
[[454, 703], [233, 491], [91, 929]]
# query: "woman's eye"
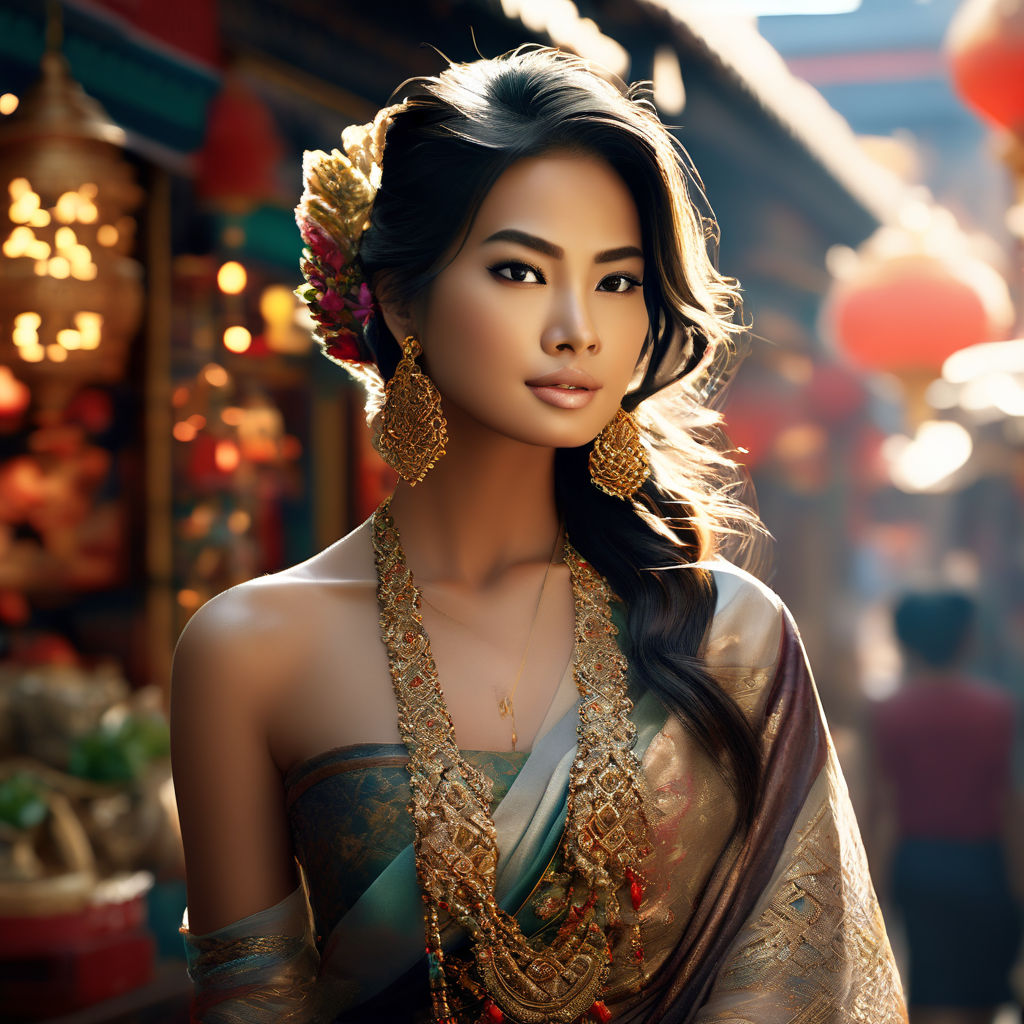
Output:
[[521, 272], [620, 283]]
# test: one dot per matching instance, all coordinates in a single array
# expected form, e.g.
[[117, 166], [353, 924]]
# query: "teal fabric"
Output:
[[353, 836], [348, 818]]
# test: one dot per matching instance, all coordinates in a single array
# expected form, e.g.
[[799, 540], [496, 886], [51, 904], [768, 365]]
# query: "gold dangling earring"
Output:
[[618, 462], [414, 432]]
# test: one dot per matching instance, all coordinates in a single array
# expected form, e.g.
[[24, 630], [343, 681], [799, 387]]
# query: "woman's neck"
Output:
[[486, 506]]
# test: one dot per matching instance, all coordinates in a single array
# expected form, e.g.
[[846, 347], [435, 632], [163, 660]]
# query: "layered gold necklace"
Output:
[[606, 833]]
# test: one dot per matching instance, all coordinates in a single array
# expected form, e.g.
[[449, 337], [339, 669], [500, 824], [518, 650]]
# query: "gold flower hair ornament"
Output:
[[334, 211]]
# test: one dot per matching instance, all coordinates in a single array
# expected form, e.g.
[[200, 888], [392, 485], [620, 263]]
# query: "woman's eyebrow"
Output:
[[623, 252]]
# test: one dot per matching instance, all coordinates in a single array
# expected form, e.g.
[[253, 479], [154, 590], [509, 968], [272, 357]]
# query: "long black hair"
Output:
[[448, 142]]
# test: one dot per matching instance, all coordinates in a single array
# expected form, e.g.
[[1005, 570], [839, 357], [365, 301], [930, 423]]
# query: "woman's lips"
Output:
[[567, 388], [563, 397]]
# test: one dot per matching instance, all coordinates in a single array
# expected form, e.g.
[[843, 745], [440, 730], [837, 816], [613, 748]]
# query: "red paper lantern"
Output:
[[986, 48], [908, 313], [238, 162]]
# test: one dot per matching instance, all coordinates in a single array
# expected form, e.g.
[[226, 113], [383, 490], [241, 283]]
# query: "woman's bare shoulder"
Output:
[[261, 629]]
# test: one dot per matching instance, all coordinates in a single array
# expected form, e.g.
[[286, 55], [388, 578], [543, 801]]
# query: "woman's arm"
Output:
[[248, 938], [227, 667]]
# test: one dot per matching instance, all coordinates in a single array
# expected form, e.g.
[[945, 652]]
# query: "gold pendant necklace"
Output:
[[506, 707], [607, 822]]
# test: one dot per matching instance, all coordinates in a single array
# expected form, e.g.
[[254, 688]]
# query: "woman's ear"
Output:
[[399, 319]]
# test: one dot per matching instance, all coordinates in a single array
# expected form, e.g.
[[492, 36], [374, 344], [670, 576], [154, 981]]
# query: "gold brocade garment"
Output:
[[781, 927]]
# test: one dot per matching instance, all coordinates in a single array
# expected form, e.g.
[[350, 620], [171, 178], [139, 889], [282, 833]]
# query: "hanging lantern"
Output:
[[903, 303], [70, 297], [238, 162], [985, 43]]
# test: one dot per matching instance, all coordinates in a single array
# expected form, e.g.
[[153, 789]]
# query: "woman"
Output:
[[944, 747], [597, 784]]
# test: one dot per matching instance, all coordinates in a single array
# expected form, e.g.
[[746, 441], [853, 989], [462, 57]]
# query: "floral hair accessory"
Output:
[[332, 215]]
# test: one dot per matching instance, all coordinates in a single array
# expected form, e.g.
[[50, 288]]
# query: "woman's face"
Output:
[[534, 330]]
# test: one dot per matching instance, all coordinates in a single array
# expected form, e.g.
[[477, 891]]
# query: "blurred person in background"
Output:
[[945, 819]]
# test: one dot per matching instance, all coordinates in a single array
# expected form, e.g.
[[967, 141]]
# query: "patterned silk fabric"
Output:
[[779, 926]]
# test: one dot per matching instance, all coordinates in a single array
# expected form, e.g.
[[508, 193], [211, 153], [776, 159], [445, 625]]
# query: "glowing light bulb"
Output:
[[69, 339], [66, 210], [107, 234], [89, 323], [226, 456], [39, 218], [277, 304], [18, 187], [65, 238], [32, 353], [18, 242], [87, 213], [56, 353], [81, 262], [8, 103], [89, 327], [239, 521], [232, 278], [22, 208], [215, 375], [38, 249], [183, 431], [59, 267], [237, 339]]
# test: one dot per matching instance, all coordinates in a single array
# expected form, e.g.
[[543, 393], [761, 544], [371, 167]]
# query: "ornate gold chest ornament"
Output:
[[607, 823]]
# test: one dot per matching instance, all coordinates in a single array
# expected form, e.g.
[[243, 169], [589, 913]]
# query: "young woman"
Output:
[[539, 753]]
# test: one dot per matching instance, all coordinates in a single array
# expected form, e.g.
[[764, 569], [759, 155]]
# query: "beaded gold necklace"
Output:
[[606, 831]]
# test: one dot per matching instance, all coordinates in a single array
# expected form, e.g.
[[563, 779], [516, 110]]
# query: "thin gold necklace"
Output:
[[506, 706]]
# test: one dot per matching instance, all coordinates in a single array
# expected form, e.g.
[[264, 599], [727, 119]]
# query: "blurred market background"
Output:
[[167, 431]]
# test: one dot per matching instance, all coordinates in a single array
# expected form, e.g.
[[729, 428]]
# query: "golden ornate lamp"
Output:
[[70, 296]]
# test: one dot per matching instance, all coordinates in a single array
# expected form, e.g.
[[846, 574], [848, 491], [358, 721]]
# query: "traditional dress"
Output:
[[777, 926]]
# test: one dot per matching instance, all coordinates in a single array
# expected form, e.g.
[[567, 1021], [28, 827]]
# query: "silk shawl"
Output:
[[778, 925]]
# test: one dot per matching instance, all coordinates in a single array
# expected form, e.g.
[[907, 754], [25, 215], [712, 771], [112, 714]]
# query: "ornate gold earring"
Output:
[[618, 462], [414, 432]]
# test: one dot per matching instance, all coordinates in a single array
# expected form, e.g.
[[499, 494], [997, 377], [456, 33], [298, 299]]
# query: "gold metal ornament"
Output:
[[618, 462], [414, 432], [607, 828]]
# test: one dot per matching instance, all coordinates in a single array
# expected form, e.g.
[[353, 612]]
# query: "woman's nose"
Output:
[[570, 328]]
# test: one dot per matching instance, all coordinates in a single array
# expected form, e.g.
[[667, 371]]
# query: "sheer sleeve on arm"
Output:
[[257, 970], [814, 947], [788, 930]]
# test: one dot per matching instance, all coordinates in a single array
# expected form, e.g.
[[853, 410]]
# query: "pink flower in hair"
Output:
[[331, 302], [362, 307]]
